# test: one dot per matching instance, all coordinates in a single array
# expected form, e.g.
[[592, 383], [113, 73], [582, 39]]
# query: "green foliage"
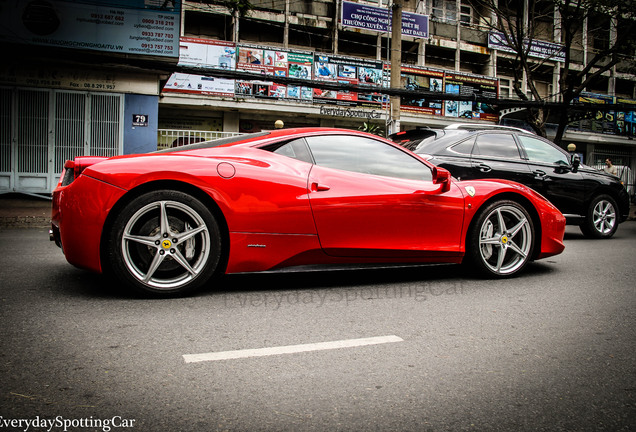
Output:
[[371, 128]]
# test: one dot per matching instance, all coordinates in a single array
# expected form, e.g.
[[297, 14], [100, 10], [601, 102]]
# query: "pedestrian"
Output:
[[610, 168]]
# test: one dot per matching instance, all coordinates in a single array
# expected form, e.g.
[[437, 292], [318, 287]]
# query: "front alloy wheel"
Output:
[[165, 243], [501, 241], [601, 220]]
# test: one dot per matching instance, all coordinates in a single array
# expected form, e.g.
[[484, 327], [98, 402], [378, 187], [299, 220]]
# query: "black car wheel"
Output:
[[164, 243], [601, 220], [501, 240]]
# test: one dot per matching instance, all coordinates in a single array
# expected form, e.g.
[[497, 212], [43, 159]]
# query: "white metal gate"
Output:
[[42, 128]]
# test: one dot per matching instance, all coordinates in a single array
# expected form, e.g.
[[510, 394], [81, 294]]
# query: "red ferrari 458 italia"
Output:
[[165, 223]]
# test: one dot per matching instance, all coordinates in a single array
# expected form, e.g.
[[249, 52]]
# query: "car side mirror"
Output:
[[576, 162], [442, 176]]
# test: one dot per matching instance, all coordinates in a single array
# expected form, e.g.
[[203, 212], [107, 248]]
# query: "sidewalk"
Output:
[[25, 211]]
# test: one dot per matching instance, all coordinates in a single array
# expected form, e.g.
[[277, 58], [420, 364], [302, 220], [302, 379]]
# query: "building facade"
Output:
[[119, 79]]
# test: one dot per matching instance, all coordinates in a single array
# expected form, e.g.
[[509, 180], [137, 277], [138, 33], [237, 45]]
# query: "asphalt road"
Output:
[[554, 349]]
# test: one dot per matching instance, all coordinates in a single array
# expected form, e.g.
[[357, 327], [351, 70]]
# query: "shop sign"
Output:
[[538, 49], [378, 19], [352, 113], [136, 27], [78, 79]]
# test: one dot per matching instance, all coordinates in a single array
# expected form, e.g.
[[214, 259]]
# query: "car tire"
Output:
[[164, 243], [501, 240], [601, 220]]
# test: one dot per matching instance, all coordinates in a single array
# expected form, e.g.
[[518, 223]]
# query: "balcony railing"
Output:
[[171, 138]]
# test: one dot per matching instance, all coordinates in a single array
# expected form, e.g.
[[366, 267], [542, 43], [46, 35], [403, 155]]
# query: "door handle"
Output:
[[317, 187], [484, 168], [539, 175]]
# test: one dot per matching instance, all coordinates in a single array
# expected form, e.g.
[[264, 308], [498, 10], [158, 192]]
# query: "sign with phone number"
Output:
[[128, 26]]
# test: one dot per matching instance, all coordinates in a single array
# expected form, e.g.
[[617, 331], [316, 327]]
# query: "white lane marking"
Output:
[[290, 349]]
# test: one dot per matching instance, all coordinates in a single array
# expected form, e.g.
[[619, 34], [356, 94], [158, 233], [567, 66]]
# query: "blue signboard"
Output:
[[379, 19]]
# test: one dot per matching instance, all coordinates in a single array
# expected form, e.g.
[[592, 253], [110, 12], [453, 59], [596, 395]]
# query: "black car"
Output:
[[592, 199]]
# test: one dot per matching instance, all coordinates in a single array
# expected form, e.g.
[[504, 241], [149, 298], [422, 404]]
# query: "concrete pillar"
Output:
[[230, 121]]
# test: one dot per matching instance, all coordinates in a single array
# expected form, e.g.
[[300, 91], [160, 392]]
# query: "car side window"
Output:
[[366, 155], [296, 149], [541, 151], [465, 147], [500, 145]]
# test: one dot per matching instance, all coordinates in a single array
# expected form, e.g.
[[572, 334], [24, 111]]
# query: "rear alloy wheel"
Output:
[[500, 242], [601, 220], [165, 243]]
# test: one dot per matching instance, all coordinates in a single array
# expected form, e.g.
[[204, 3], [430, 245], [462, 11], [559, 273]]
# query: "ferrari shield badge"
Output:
[[470, 190]]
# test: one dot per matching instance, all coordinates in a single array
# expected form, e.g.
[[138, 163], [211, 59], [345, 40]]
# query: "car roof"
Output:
[[435, 139]]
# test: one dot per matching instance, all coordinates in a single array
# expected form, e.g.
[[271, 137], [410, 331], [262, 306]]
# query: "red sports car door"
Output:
[[377, 216]]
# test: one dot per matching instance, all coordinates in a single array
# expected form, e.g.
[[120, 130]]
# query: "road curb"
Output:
[[19, 211], [25, 222]]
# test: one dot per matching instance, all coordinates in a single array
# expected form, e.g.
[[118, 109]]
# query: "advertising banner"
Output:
[[368, 75], [616, 122], [599, 121], [626, 120], [419, 78], [378, 19], [198, 84], [141, 27], [207, 53], [350, 70], [470, 85], [272, 63]]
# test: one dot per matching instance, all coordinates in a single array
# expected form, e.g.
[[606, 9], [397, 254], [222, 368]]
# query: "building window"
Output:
[[504, 88], [446, 11], [466, 14]]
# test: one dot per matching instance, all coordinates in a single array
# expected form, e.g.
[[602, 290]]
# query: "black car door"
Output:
[[496, 155], [553, 176], [456, 159]]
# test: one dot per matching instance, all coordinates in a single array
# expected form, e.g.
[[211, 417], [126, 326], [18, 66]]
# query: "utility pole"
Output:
[[286, 28], [235, 26], [396, 63]]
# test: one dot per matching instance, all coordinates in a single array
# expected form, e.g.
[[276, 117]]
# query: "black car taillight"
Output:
[[69, 173], [69, 176], [74, 168]]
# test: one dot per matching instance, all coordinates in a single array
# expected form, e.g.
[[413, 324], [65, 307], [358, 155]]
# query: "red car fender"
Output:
[[479, 193]]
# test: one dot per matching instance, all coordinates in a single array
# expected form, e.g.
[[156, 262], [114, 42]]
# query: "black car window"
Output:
[[541, 151], [366, 155], [296, 149], [499, 145], [464, 147]]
